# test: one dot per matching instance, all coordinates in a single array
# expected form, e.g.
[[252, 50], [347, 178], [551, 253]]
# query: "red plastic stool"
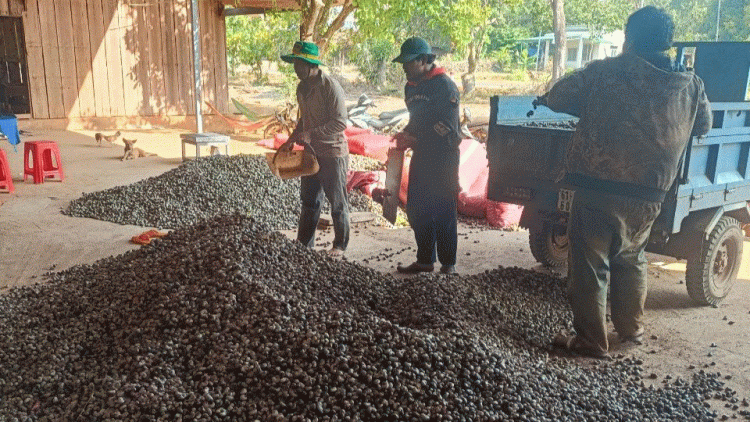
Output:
[[6, 181], [42, 166]]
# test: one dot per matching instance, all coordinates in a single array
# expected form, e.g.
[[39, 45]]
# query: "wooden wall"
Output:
[[11, 8], [107, 58]]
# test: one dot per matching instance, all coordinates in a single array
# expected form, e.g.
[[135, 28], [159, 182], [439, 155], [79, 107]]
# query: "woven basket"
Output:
[[290, 164]]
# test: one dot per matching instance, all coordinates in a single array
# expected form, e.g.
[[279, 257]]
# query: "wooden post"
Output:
[[197, 65]]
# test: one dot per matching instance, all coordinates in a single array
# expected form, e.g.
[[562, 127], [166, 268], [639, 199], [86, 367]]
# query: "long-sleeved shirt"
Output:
[[636, 120], [433, 104], [323, 115]]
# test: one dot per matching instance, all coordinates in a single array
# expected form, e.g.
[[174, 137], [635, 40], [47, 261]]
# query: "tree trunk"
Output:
[[324, 40], [315, 18], [468, 79], [382, 72], [310, 14], [561, 48]]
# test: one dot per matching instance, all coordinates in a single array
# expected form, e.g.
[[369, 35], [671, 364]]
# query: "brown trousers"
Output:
[[608, 235]]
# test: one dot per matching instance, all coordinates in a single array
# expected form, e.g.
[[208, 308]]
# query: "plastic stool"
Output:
[[6, 181], [42, 166]]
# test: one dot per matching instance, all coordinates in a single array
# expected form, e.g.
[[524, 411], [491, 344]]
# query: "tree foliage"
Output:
[[382, 26], [466, 28], [251, 39], [695, 20]]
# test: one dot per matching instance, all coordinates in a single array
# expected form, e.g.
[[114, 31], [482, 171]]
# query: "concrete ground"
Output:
[[35, 238]]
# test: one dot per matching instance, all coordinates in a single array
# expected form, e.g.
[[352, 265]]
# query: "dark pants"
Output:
[[331, 181], [433, 219], [608, 235]]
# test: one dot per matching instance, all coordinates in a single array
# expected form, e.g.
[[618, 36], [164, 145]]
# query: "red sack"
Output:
[[370, 145], [276, 142], [353, 131], [365, 181], [502, 214], [472, 206]]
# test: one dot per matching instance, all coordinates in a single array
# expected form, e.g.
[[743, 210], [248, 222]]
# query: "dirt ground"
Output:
[[36, 238]]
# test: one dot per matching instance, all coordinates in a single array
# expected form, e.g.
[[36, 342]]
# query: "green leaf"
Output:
[[244, 110]]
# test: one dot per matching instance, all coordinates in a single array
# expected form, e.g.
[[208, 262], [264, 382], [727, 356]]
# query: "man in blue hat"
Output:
[[433, 134], [320, 128]]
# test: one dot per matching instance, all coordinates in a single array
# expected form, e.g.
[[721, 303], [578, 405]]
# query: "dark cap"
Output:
[[413, 48]]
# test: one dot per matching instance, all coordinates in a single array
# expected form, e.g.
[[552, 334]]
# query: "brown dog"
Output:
[[131, 152], [109, 138]]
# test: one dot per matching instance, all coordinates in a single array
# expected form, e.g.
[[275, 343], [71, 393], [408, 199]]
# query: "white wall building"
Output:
[[582, 46]]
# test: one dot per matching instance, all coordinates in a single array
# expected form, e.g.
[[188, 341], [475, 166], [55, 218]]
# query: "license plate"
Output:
[[564, 200]]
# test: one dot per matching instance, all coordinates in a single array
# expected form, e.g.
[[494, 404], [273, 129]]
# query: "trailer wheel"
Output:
[[549, 244], [711, 273]]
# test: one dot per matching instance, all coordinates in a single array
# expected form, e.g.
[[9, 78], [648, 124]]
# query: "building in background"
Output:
[[583, 46]]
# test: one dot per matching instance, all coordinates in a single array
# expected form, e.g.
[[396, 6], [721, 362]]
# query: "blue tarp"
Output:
[[9, 128]]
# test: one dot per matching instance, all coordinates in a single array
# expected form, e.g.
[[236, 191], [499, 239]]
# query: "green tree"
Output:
[[462, 24], [382, 27], [251, 39], [695, 20], [466, 23], [320, 20], [599, 16]]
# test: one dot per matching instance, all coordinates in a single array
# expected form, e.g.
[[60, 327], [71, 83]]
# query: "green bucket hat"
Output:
[[413, 48], [303, 50]]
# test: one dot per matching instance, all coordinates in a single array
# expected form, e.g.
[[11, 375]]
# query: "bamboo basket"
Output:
[[291, 164]]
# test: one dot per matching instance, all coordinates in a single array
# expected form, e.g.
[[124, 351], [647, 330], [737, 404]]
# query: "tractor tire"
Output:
[[712, 271], [549, 244]]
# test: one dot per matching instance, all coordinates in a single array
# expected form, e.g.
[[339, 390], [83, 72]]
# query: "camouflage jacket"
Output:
[[635, 121]]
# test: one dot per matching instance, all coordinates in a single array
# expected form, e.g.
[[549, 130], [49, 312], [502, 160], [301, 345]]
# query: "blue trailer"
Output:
[[702, 216]]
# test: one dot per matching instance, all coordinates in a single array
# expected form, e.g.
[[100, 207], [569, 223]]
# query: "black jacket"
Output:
[[433, 104]]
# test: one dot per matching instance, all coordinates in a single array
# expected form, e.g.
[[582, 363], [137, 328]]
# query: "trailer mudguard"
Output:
[[530, 218], [697, 226]]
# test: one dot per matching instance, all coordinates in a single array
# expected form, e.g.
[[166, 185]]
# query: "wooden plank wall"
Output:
[[11, 8], [183, 35], [107, 58]]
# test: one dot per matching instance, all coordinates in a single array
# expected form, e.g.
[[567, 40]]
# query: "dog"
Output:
[[131, 152], [109, 138]]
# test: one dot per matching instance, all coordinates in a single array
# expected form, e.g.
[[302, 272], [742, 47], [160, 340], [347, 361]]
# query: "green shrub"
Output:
[[373, 60], [511, 59]]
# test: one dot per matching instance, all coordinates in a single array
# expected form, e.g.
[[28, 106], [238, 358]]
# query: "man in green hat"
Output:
[[320, 128], [433, 134]]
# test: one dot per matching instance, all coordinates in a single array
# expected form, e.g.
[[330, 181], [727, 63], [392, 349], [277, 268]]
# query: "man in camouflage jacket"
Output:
[[637, 113]]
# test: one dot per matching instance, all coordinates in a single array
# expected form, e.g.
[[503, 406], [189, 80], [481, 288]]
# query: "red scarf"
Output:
[[429, 75]]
